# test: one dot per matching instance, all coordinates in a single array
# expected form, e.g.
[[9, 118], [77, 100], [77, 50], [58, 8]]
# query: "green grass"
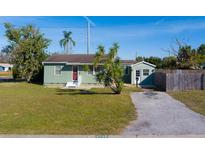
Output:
[[34, 109], [194, 99]]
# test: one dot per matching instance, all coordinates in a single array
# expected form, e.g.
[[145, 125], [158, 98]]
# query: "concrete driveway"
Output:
[[161, 115]]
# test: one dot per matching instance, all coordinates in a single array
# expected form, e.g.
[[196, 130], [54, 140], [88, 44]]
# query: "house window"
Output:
[[138, 73], [126, 70], [99, 68], [153, 71], [58, 70], [90, 69], [145, 72]]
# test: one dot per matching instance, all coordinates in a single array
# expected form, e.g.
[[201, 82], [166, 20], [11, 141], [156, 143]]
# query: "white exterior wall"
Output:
[[6, 69], [140, 67]]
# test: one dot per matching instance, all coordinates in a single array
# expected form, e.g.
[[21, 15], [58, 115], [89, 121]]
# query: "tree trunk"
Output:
[[66, 48], [28, 77], [70, 47]]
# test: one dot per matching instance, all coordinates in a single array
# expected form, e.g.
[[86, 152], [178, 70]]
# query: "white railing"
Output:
[[74, 83], [70, 84], [79, 80]]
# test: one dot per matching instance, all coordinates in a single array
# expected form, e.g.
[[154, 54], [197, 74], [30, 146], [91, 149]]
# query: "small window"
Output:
[[153, 71], [126, 70], [99, 68], [138, 73], [90, 69], [145, 72], [58, 70]]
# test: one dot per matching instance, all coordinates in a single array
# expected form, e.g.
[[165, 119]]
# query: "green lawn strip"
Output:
[[194, 99], [34, 109]]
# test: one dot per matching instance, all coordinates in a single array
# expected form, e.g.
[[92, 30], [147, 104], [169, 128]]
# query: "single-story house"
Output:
[[203, 66], [69, 70], [4, 67]]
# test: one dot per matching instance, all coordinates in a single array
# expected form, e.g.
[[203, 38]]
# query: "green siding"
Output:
[[66, 74], [86, 78], [50, 77]]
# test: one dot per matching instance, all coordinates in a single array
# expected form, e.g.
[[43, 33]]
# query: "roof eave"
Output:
[[48, 62], [145, 63], [69, 63]]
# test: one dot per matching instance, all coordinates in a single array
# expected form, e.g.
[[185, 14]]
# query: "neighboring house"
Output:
[[4, 67], [203, 65], [69, 69]]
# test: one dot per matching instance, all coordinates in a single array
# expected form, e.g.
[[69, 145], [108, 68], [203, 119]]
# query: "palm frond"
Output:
[[73, 42], [61, 42]]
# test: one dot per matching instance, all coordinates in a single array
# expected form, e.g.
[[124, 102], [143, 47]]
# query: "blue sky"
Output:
[[144, 36]]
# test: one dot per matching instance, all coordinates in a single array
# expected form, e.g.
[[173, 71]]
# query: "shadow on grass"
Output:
[[3, 79], [37, 83], [81, 92]]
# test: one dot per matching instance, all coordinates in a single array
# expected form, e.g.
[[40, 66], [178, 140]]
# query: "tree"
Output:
[[67, 42], [154, 60], [169, 62], [201, 49], [187, 58], [6, 53], [28, 49], [139, 58], [111, 74]]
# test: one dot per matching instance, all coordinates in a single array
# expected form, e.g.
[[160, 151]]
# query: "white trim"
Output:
[[93, 72], [69, 63], [55, 71], [54, 63], [143, 62], [146, 70], [79, 63], [6, 65], [135, 81]]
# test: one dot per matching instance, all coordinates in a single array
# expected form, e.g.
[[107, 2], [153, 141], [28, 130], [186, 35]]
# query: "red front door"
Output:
[[75, 73]]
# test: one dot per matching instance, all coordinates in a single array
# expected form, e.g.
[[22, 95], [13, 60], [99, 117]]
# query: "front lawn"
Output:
[[34, 109], [194, 99]]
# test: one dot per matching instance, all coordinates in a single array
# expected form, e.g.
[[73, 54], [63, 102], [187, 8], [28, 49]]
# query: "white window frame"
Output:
[[93, 72], [100, 70], [60, 71], [139, 75], [143, 72]]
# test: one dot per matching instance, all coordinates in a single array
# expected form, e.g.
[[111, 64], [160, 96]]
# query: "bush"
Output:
[[38, 77], [16, 73]]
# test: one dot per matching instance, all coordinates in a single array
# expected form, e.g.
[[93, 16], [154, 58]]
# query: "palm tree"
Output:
[[67, 42]]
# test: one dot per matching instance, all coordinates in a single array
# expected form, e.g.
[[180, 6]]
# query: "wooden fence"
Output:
[[173, 80]]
